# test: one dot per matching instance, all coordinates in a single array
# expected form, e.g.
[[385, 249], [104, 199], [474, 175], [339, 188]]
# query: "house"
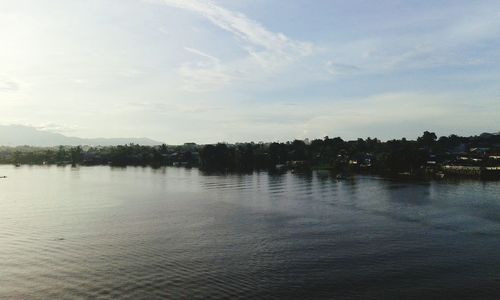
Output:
[[480, 151], [364, 160]]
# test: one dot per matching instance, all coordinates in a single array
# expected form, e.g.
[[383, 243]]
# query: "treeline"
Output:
[[371, 154], [123, 155], [327, 153]]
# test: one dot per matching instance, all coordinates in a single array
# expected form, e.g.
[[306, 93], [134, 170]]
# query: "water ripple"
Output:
[[141, 234]]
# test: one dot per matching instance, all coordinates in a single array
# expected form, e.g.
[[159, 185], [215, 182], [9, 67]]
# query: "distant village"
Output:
[[447, 156]]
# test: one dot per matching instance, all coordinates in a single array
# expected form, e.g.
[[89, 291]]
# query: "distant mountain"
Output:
[[18, 135]]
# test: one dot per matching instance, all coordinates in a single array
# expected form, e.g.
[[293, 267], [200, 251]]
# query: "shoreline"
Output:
[[339, 175]]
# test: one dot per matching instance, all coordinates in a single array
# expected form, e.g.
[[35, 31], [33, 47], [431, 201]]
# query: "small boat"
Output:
[[439, 175], [3, 176]]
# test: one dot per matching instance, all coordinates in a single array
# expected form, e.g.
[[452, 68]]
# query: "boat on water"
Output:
[[439, 175]]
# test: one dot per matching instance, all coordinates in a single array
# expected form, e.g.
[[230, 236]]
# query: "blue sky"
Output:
[[250, 70]]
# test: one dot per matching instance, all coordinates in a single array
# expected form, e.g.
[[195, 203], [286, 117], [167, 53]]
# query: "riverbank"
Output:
[[336, 173]]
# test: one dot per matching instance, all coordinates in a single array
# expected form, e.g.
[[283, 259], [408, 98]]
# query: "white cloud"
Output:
[[243, 27], [74, 62], [55, 127], [407, 114], [445, 37], [267, 52], [44, 126], [203, 54], [8, 85], [340, 69], [386, 116], [204, 75]]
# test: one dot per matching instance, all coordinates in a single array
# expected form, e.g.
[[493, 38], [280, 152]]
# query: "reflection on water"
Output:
[[100, 232]]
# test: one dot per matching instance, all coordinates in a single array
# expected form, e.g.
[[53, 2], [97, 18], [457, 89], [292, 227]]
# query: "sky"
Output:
[[250, 70]]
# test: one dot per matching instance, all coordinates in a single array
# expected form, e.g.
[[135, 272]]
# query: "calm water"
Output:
[[105, 233]]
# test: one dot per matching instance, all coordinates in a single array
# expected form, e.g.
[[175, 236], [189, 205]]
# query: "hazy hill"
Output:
[[18, 135]]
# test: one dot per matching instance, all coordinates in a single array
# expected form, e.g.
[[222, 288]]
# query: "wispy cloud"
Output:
[[44, 126], [8, 85], [387, 115], [56, 127], [404, 113], [205, 74], [243, 27], [267, 51], [382, 69], [340, 69], [203, 54], [450, 39]]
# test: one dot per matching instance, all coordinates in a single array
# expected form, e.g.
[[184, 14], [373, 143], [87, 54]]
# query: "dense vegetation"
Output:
[[394, 156], [124, 155]]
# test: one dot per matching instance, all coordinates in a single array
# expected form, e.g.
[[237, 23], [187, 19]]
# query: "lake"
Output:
[[170, 233]]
